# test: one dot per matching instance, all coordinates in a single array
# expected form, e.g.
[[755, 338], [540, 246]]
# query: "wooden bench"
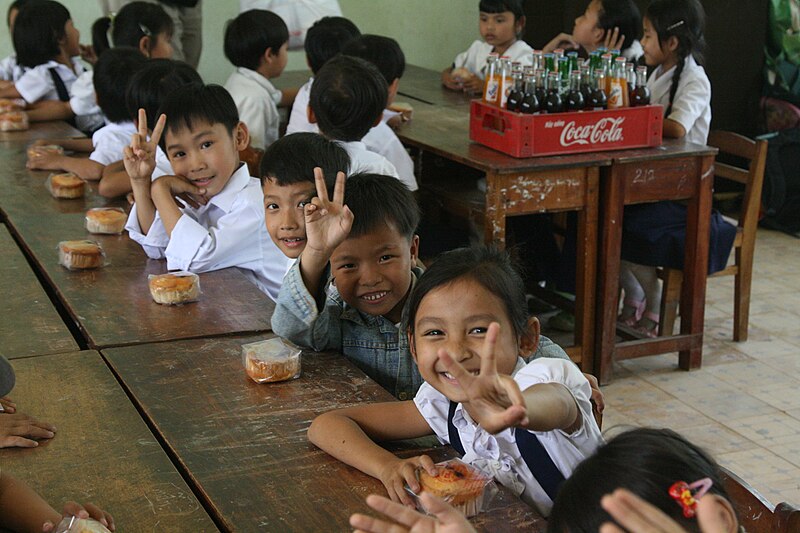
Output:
[[755, 513]]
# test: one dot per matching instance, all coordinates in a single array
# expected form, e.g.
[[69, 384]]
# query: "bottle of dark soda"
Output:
[[517, 92], [541, 89], [641, 93], [530, 103], [574, 100], [598, 99], [587, 83], [553, 102]]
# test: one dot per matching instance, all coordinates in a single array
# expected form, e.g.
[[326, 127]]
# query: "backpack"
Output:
[[780, 197]]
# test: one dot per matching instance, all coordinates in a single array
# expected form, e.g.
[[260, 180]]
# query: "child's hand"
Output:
[[180, 188], [140, 157], [328, 222], [613, 40], [495, 399], [88, 54], [597, 395], [19, 430], [635, 514], [403, 472], [472, 85], [562, 40], [43, 160], [87, 510], [7, 405], [448, 520], [452, 83]]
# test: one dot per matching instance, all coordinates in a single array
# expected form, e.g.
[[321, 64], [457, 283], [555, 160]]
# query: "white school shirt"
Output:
[[83, 102], [633, 52], [498, 454], [37, 83], [298, 118], [257, 101], [382, 140], [691, 107], [229, 231], [110, 140], [163, 166], [10, 70], [363, 160], [474, 59]]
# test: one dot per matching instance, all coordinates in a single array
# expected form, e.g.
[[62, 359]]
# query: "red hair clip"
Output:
[[686, 494]]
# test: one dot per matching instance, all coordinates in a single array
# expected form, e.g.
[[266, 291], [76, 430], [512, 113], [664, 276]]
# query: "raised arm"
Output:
[[82, 166], [140, 161]]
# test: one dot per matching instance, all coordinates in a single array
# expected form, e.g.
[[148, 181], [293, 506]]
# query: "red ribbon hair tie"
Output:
[[687, 494]]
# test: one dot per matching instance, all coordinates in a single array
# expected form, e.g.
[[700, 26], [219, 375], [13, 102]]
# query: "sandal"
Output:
[[648, 325], [632, 312]]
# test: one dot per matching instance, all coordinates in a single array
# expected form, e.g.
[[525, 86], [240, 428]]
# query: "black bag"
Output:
[[780, 197]]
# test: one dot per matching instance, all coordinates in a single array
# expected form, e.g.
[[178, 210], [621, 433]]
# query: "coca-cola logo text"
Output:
[[607, 130]]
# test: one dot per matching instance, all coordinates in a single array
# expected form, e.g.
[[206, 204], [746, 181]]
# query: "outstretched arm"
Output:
[[140, 161], [21, 509]]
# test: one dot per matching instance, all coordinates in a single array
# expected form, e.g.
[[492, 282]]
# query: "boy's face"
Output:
[[207, 155], [277, 61], [499, 29], [373, 272], [586, 30], [283, 206], [72, 39]]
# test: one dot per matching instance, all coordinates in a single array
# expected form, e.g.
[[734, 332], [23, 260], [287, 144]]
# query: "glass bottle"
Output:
[[607, 64], [598, 99], [563, 71], [641, 93], [538, 59], [541, 90], [618, 86], [574, 100], [587, 83], [553, 102], [530, 103], [573, 61], [517, 91], [505, 81], [549, 62], [492, 84]]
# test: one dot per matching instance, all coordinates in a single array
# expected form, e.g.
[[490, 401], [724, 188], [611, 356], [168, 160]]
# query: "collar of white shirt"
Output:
[[259, 79], [238, 182]]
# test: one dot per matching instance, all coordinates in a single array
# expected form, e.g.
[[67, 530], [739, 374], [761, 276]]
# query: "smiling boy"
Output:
[[222, 221]]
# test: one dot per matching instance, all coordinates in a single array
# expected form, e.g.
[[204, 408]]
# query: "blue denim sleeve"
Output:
[[548, 348]]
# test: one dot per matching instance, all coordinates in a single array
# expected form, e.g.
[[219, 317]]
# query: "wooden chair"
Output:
[[752, 176], [755, 513]]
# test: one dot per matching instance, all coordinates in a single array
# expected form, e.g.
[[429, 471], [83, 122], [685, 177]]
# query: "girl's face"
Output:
[[161, 48], [499, 29], [587, 31], [654, 54], [71, 43], [12, 16], [455, 318]]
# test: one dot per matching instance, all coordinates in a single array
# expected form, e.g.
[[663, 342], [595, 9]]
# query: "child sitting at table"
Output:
[[501, 23], [256, 42], [324, 40], [113, 71], [146, 90], [526, 424], [655, 234], [347, 99], [10, 69], [388, 57], [222, 222], [287, 172]]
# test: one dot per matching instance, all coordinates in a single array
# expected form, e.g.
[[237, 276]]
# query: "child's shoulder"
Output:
[[550, 370]]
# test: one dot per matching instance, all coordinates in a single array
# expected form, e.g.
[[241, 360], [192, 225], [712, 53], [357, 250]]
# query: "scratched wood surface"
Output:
[[102, 452], [40, 130], [30, 325], [244, 445], [112, 306], [426, 85]]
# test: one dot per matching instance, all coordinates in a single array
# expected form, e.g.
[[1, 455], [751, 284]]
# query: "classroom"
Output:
[[351, 265]]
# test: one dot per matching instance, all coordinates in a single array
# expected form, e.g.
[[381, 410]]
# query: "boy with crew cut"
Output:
[[256, 43], [287, 179], [347, 99], [222, 222]]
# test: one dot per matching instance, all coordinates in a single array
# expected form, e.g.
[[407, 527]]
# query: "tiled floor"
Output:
[[743, 406]]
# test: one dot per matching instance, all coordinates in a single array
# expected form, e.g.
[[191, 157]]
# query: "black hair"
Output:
[[134, 21], [501, 6], [326, 38], [383, 52], [493, 269], [293, 158], [348, 96], [686, 20], [16, 4], [37, 31], [112, 73], [645, 461], [151, 85], [249, 35], [195, 103], [377, 201], [622, 14]]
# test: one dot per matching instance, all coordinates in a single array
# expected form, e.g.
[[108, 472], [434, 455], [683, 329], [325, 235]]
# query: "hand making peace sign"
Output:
[[140, 157], [328, 222]]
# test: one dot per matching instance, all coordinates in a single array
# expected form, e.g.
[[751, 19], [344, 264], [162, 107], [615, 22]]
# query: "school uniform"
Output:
[[257, 101], [298, 118], [382, 140], [655, 234], [37, 83], [88, 115], [474, 58], [364, 160], [229, 231], [163, 166], [500, 454], [110, 141], [633, 52], [10, 70]]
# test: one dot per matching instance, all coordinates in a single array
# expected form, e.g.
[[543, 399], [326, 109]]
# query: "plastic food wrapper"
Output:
[[271, 360], [14, 121], [81, 255], [65, 185], [12, 104], [463, 486], [106, 220], [174, 288], [36, 149], [72, 524], [404, 109]]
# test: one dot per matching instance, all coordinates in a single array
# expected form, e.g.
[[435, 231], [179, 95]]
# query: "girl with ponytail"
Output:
[[141, 25]]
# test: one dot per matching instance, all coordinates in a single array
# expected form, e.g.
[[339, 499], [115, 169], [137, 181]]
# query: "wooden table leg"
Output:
[[695, 267], [586, 279]]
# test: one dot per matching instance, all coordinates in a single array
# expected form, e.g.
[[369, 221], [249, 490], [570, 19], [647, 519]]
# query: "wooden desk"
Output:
[[426, 85], [30, 324], [40, 130], [102, 451], [244, 445]]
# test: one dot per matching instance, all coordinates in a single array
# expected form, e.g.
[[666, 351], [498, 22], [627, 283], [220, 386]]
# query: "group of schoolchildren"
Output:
[[330, 234]]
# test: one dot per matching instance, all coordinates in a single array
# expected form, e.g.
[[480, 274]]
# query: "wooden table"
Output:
[[102, 452], [40, 130], [30, 324], [244, 445], [426, 85]]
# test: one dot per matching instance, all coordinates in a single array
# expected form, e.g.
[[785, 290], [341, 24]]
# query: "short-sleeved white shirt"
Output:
[[298, 118], [37, 83], [110, 140], [10, 70], [474, 59], [257, 101], [364, 160], [691, 107], [382, 140], [498, 453]]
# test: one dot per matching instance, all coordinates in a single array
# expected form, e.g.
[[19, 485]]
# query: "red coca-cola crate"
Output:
[[521, 135]]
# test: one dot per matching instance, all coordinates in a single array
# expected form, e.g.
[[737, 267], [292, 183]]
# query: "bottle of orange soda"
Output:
[[491, 86], [618, 87]]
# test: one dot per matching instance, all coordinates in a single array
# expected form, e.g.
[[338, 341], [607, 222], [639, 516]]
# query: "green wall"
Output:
[[430, 32]]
